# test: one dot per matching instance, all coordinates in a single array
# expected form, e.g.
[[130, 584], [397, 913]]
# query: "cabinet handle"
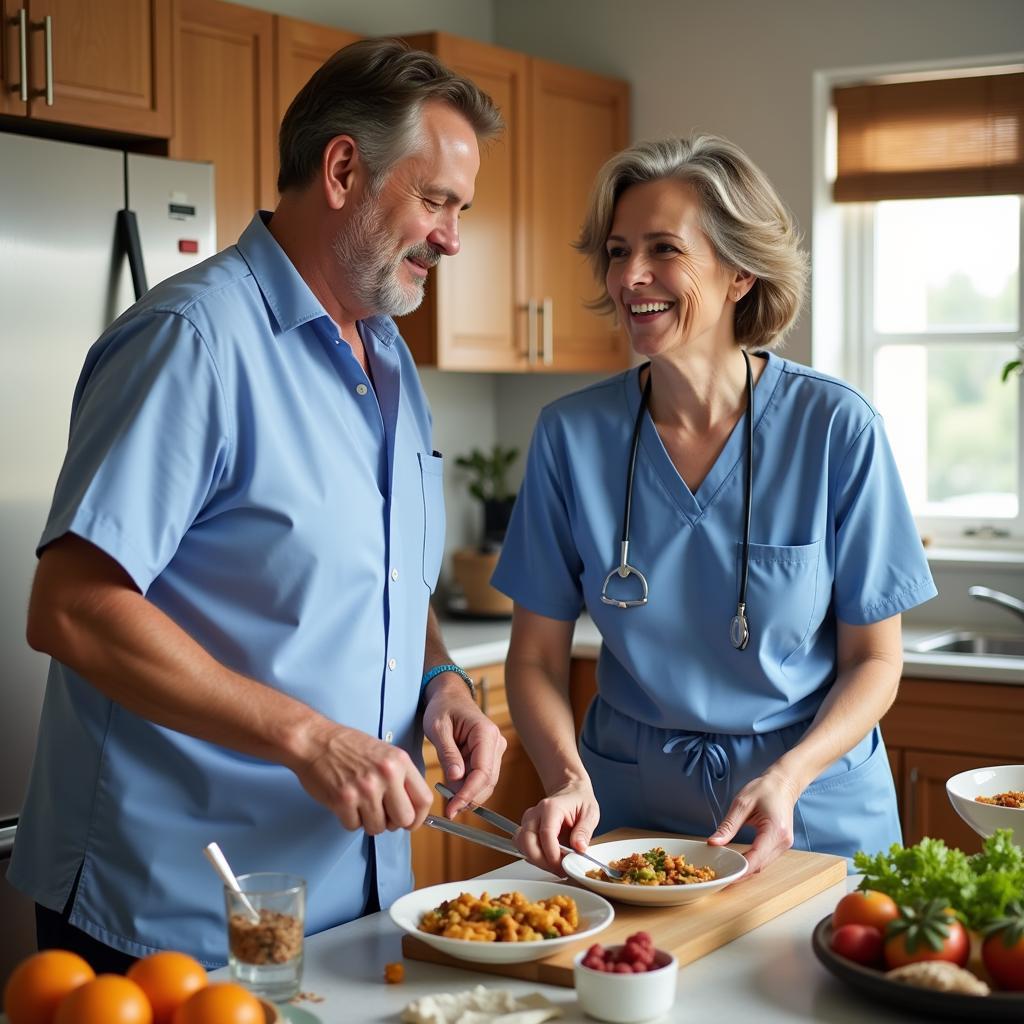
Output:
[[481, 685], [46, 27], [21, 20], [913, 777], [548, 317], [531, 331]]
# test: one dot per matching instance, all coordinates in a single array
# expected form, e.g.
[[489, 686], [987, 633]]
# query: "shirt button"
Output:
[[392, 664], [361, 389], [394, 575], [388, 736]]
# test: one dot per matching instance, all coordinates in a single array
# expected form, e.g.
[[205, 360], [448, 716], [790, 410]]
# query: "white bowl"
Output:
[[626, 998], [728, 864], [595, 915], [986, 818]]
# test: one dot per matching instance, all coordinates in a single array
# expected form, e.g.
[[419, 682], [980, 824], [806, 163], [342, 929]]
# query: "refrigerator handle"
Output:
[[128, 229], [22, 22], [7, 840]]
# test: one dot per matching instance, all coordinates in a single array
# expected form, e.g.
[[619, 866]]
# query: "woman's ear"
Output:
[[340, 170], [741, 283]]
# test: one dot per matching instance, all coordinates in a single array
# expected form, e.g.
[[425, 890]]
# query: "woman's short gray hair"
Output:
[[373, 90], [740, 212]]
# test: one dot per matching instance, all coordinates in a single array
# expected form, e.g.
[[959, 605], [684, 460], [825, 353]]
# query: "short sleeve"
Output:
[[881, 568], [148, 443], [540, 567]]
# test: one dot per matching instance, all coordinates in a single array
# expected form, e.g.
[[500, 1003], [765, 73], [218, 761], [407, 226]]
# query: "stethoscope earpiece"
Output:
[[739, 627]]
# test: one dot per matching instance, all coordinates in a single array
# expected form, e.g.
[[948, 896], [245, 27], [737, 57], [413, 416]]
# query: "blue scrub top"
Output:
[[230, 453], [831, 535]]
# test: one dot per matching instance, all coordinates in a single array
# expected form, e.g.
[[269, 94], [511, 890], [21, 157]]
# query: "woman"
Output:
[[741, 696]]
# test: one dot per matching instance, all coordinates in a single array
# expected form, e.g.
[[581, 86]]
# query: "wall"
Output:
[[472, 18]]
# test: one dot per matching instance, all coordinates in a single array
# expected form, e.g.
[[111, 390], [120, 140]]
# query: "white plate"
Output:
[[728, 864], [595, 915], [986, 818]]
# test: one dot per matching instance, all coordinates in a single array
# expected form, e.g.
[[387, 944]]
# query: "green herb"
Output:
[[656, 858], [977, 887], [551, 935], [493, 913]]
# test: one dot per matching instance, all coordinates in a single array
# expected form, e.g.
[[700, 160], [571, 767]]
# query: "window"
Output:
[[929, 176]]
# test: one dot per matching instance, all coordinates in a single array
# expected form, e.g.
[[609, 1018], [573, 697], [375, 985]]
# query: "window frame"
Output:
[[861, 341]]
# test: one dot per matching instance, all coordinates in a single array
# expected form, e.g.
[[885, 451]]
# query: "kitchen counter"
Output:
[[473, 643], [769, 975]]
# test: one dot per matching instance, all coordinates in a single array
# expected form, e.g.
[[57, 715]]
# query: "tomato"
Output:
[[168, 979], [223, 1002], [38, 984], [107, 999], [860, 943], [1003, 949], [926, 932], [865, 907]]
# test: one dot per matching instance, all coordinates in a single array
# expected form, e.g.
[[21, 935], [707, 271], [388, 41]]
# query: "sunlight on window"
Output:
[[947, 264], [952, 424]]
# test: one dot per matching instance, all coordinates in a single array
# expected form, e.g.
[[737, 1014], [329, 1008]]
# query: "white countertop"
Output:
[[769, 975], [473, 643]]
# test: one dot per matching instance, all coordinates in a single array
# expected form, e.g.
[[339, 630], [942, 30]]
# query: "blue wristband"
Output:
[[448, 667]]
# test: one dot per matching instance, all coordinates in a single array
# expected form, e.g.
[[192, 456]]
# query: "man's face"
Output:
[[393, 238]]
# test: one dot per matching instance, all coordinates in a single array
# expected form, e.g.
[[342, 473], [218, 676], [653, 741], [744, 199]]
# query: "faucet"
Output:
[[998, 597]]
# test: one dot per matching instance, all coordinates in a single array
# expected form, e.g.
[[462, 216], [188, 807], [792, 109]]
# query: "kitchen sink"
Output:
[[1002, 645]]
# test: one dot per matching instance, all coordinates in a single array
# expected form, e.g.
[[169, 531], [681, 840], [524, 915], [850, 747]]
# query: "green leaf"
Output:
[[1014, 367]]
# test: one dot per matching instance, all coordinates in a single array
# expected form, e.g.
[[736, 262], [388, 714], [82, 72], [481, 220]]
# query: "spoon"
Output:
[[220, 864]]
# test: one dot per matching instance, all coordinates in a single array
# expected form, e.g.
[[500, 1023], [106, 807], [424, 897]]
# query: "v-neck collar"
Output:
[[694, 506]]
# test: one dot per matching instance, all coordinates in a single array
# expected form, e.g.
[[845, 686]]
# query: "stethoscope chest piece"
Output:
[[739, 628], [623, 571]]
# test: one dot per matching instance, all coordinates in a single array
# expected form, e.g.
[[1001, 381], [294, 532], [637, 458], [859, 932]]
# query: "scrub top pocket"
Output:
[[432, 478], [781, 593]]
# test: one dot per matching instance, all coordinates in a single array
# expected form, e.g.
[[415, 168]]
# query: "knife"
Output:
[[511, 827], [474, 835]]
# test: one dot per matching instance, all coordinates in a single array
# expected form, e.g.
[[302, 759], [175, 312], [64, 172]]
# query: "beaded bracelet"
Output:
[[448, 667]]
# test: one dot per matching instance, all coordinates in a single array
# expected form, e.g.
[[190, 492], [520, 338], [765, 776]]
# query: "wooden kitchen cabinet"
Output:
[[224, 105], [513, 300], [108, 63], [437, 857], [300, 47]]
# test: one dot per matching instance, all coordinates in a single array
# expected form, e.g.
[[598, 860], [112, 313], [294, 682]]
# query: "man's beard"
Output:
[[364, 247]]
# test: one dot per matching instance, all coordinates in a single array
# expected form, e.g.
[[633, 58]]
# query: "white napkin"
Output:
[[480, 1006]]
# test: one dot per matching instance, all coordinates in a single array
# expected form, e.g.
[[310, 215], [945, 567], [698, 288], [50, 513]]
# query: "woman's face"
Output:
[[668, 285]]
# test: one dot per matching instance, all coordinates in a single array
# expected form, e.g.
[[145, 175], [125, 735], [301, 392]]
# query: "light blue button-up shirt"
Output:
[[286, 511]]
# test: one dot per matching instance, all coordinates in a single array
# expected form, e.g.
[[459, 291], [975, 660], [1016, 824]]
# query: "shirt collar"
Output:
[[285, 291]]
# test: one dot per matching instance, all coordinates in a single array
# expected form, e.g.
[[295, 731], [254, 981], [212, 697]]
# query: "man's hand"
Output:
[[366, 782], [469, 745]]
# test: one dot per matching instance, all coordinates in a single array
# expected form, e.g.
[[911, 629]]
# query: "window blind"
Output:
[[926, 139]]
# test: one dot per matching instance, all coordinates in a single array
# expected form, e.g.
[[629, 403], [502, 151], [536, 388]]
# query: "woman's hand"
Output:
[[766, 803], [572, 811]]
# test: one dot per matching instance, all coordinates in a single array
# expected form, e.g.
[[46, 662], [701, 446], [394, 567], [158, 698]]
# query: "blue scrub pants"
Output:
[[672, 781]]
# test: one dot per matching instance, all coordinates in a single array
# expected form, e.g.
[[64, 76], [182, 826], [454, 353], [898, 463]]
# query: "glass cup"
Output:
[[266, 955]]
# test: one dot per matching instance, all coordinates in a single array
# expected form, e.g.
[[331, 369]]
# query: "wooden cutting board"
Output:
[[689, 932]]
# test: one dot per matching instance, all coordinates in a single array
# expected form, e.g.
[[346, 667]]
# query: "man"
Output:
[[234, 577]]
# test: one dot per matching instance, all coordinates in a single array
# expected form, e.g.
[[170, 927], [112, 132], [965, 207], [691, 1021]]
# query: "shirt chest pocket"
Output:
[[782, 588], [432, 480]]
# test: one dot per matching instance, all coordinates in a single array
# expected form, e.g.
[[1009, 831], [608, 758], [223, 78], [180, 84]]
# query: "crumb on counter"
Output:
[[394, 974], [305, 997]]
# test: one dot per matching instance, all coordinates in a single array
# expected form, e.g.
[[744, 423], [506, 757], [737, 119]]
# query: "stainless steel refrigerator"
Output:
[[83, 231]]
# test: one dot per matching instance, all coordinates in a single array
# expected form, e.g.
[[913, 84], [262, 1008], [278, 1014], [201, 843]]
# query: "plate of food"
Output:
[[990, 798], [501, 920], [657, 871]]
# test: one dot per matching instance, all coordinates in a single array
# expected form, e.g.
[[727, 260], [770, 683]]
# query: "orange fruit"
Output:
[[38, 984], [223, 1002], [107, 999], [168, 979]]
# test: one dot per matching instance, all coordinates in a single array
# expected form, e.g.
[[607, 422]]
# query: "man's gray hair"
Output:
[[740, 212], [373, 91]]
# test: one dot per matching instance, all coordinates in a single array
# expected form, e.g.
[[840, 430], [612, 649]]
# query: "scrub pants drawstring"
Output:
[[699, 749]]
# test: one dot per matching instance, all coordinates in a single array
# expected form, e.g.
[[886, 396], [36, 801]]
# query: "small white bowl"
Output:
[[595, 915], [729, 867], [962, 790], [626, 998]]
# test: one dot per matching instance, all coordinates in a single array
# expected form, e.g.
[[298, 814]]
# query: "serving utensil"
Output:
[[216, 857], [474, 835], [511, 827]]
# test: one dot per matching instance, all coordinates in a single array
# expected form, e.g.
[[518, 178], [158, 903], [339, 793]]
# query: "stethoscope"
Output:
[[739, 628]]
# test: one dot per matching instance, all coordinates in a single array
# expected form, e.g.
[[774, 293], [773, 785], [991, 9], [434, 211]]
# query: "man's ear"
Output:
[[742, 282], [341, 170]]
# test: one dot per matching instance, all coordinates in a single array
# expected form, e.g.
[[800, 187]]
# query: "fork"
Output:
[[511, 827]]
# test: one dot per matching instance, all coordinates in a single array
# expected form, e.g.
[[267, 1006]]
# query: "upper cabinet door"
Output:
[[473, 317], [14, 36], [301, 47], [103, 64], [578, 120], [223, 105]]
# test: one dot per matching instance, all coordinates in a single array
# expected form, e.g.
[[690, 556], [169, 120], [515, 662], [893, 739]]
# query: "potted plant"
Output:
[[473, 566]]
